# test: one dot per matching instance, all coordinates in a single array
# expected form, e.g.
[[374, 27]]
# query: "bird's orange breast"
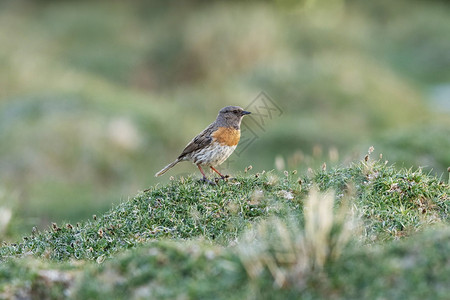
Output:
[[227, 136]]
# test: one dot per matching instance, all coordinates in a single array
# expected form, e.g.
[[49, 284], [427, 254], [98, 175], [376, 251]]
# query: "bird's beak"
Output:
[[245, 113]]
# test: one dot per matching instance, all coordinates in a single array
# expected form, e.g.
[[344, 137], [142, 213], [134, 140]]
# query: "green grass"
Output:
[[179, 210], [414, 268], [261, 235], [393, 203]]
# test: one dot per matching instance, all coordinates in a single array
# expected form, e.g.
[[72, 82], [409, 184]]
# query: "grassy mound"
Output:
[[393, 203], [259, 236]]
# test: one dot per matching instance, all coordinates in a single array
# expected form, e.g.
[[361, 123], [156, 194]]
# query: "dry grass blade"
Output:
[[292, 254]]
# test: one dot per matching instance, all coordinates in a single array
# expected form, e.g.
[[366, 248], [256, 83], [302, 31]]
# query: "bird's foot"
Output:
[[225, 178], [206, 180], [222, 177]]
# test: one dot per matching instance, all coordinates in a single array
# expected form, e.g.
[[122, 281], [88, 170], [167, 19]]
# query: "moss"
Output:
[[177, 240], [393, 203]]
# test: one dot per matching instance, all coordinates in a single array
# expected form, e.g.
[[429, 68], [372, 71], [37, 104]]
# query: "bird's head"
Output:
[[231, 116]]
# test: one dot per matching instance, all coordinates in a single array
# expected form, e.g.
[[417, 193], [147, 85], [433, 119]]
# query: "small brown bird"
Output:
[[214, 144]]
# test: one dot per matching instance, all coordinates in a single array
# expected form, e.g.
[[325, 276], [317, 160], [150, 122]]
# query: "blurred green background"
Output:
[[96, 96]]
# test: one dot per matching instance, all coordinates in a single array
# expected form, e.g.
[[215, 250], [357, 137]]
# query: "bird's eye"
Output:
[[235, 111]]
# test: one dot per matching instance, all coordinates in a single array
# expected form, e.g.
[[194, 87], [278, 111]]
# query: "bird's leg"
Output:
[[204, 176], [221, 176]]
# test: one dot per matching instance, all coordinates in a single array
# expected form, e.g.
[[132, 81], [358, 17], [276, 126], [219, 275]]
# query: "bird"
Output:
[[214, 144]]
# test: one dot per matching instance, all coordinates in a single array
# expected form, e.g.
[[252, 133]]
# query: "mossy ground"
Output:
[[188, 239]]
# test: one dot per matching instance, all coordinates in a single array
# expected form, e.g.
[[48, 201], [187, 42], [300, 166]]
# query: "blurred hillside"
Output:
[[95, 97]]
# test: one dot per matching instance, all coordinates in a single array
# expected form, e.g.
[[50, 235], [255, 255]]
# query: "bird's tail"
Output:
[[167, 168]]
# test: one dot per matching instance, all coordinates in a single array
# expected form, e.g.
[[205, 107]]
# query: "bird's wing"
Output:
[[199, 142]]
